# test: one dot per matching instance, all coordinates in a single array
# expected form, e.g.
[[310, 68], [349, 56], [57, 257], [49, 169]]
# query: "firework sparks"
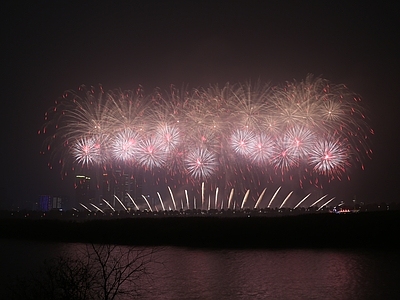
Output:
[[301, 201], [201, 163], [241, 142], [330, 158], [109, 205], [86, 151], [232, 133], [124, 146], [260, 198]]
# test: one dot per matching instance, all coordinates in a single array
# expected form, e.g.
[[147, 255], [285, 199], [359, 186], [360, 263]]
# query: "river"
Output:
[[187, 273]]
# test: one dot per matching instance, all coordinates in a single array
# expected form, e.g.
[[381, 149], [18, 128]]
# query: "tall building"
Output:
[[56, 203], [107, 187], [44, 202], [83, 192], [119, 183], [48, 202]]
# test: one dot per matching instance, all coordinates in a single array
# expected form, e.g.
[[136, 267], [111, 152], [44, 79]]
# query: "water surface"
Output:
[[183, 273]]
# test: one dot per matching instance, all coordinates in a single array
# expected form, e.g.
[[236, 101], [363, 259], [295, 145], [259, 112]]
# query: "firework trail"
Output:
[[230, 197], [216, 198], [96, 207], [244, 136], [162, 203], [172, 197], [260, 197], [130, 197], [202, 195], [109, 205], [320, 199], [301, 201], [273, 197], [120, 202], [284, 201], [85, 207], [326, 203], [187, 199], [245, 198], [147, 202]]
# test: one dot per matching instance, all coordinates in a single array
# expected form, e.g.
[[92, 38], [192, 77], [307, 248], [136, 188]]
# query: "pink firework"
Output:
[[283, 159], [330, 158], [242, 142], [201, 163], [169, 136], [124, 147], [261, 149], [151, 153], [229, 133], [87, 151], [299, 141]]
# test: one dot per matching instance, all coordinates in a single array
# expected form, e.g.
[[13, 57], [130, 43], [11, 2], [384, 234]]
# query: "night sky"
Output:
[[49, 48]]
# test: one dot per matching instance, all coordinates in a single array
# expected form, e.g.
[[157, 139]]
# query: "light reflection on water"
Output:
[[243, 274], [260, 274]]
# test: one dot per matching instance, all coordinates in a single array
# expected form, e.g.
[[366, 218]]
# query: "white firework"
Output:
[[242, 142], [151, 153], [299, 141], [262, 147], [124, 146], [201, 163], [283, 159], [87, 151], [330, 158], [169, 136]]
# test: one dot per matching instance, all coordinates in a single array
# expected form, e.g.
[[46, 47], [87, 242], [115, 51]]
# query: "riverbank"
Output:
[[358, 230]]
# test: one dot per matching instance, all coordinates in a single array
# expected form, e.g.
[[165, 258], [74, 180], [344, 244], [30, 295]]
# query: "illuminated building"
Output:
[[120, 183], [48, 202], [44, 202], [83, 193]]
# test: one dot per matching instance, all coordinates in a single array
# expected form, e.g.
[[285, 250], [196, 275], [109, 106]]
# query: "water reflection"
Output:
[[300, 274], [245, 274]]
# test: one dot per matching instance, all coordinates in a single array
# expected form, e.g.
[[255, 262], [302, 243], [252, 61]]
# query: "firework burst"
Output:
[[330, 158], [230, 132], [242, 142], [201, 163], [151, 153], [86, 151], [124, 146], [261, 149]]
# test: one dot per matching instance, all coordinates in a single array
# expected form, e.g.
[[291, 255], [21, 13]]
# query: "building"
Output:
[[48, 202], [44, 202], [123, 185], [84, 194], [56, 203]]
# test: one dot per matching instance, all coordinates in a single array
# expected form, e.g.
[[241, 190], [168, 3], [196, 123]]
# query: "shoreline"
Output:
[[323, 230]]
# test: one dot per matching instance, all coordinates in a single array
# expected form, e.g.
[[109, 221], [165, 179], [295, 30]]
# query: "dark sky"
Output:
[[52, 47]]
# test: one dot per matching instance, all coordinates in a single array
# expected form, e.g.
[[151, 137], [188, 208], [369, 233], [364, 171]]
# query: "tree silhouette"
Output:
[[94, 271]]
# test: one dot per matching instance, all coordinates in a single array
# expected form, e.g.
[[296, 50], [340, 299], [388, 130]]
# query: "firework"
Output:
[[261, 150], [242, 142], [124, 145], [260, 198], [87, 151], [240, 135], [330, 158], [201, 163], [151, 153]]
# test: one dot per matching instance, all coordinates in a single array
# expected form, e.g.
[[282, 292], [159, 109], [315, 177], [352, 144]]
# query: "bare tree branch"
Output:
[[94, 271]]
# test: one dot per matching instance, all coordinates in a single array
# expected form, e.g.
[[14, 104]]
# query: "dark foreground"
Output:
[[365, 230]]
